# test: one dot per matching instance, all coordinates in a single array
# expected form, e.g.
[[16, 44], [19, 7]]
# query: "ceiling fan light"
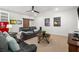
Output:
[[32, 11]]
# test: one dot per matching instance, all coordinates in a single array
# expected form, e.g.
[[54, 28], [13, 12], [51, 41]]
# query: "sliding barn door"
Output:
[[25, 22]]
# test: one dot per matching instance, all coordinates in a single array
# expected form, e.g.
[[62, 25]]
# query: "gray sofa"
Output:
[[29, 32], [24, 47]]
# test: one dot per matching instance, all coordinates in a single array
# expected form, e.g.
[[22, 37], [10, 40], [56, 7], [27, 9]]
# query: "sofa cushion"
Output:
[[27, 28], [13, 45], [27, 32], [27, 48], [3, 44]]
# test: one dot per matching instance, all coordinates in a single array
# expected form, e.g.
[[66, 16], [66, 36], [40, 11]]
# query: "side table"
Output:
[[44, 37], [73, 45]]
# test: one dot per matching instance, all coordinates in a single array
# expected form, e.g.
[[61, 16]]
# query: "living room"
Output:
[[54, 22]]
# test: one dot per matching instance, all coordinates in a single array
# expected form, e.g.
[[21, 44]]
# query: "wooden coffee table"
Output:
[[43, 36]]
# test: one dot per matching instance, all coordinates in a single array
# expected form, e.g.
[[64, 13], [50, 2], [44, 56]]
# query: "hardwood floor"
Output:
[[57, 44]]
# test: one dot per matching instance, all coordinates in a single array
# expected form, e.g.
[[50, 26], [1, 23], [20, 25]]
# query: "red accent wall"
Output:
[[3, 26]]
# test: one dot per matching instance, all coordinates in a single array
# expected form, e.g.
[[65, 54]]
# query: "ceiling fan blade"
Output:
[[28, 10], [36, 11], [33, 10], [32, 7]]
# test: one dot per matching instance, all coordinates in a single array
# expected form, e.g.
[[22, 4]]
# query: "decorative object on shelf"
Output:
[[9, 26], [47, 21], [19, 22], [4, 17], [57, 21], [13, 22], [3, 26]]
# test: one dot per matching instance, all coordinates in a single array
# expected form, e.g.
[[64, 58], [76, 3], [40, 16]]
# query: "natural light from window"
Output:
[[78, 24]]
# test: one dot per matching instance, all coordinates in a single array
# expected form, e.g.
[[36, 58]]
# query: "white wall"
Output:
[[68, 21], [15, 27], [16, 16]]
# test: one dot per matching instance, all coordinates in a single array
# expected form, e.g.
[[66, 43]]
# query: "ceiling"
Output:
[[41, 9]]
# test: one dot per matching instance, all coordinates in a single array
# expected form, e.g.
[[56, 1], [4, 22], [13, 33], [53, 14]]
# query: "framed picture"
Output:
[[12, 21], [19, 22], [57, 21], [47, 21]]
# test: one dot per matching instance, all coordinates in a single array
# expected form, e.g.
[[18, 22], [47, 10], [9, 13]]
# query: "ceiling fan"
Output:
[[33, 10]]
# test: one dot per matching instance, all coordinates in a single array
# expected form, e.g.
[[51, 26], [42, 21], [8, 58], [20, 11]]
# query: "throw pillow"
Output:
[[19, 35], [13, 45]]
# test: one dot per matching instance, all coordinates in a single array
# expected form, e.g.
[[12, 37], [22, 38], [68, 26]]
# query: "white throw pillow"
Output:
[[18, 35]]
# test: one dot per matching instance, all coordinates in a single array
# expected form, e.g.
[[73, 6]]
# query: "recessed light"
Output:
[[56, 9]]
